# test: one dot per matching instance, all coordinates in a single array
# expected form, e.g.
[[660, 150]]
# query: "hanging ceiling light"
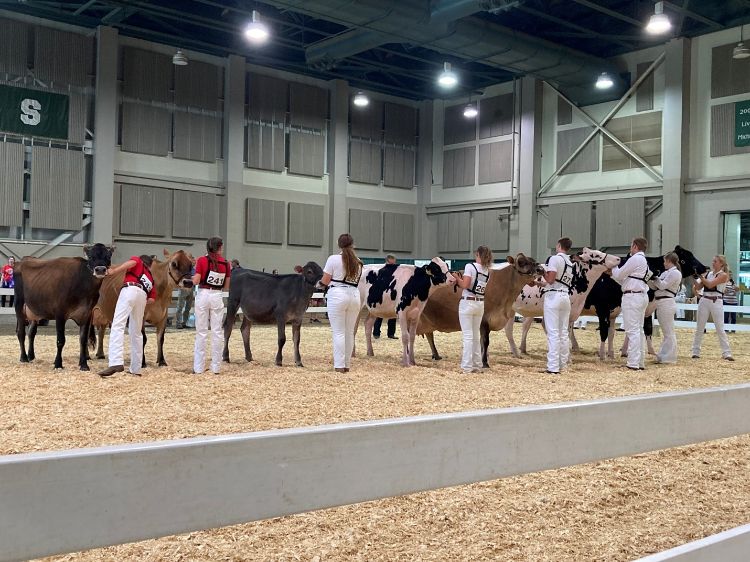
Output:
[[658, 23], [740, 51], [447, 78], [604, 82], [179, 58], [256, 31], [361, 100], [470, 111]]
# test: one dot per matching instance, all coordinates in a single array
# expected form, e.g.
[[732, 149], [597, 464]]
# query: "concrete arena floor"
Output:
[[613, 510]]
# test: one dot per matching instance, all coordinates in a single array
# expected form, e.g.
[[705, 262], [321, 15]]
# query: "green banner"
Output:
[[742, 123], [33, 112]]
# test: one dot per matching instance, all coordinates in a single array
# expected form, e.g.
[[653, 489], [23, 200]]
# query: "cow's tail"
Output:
[[92, 336]]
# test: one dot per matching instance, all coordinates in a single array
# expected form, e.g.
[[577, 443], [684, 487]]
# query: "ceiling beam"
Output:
[[697, 17], [83, 7], [610, 13]]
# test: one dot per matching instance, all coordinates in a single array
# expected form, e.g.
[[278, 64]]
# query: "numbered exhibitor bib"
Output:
[[215, 279], [146, 283]]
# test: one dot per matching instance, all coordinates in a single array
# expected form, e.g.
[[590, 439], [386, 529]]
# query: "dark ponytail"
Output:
[[213, 245]]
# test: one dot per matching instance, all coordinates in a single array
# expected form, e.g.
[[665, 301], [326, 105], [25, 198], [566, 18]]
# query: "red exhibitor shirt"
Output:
[[212, 278], [141, 274]]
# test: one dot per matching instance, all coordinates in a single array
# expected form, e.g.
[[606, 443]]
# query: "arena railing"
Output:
[[730, 546], [67, 501]]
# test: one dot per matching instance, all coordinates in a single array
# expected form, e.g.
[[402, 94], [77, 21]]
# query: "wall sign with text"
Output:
[[742, 123], [33, 112]]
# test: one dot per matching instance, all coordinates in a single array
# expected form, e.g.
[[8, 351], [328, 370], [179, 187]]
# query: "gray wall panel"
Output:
[[367, 123], [453, 232], [11, 184], [147, 75], [618, 221], [458, 128], [722, 131], [398, 232], [143, 210], [573, 220], [266, 147], [196, 137], [399, 167], [146, 129], [305, 225], [568, 141], [198, 84], [644, 96], [400, 124], [459, 167], [57, 188], [641, 132], [564, 112], [195, 214], [495, 162], [366, 228], [14, 41], [268, 98], [63, 57], [365, 162], [265, 221], [729, 76], [308, 105], [495, 116], [78, 117], [306, 153], [488, 229]]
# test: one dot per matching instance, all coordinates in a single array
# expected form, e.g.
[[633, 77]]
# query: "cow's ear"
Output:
[[166, 253], [510, 259], [111, 248], [86, 249], [190, 256]]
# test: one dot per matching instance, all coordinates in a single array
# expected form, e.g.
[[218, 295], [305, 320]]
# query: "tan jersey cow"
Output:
[[504, 285], [168, 275]]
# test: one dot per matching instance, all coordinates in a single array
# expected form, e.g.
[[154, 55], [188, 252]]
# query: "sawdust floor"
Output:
[[613, 510]]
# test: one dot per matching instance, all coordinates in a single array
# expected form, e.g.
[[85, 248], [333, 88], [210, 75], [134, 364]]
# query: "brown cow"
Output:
[[168, 275], [57, 290], [504, 285]]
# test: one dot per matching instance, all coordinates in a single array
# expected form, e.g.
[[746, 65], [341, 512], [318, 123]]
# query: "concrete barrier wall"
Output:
[[58, 502]]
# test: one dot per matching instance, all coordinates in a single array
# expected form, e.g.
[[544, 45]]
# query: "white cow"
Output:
[[400, 291], [588, 266]]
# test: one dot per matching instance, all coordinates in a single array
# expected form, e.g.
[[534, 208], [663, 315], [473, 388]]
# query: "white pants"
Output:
[[209, 309], [470, 317], [715, 309], [130, 306], [556, 321], [343, 310], [665, 309], [633, 311]]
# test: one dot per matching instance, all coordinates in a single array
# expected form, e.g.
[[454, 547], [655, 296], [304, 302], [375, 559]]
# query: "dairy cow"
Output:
[[59, 289], [505, 283], [588, 265], [400, 291]]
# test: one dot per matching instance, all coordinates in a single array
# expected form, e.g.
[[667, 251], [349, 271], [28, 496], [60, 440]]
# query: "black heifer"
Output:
[[56, 290], [270, 299], [606, 295]]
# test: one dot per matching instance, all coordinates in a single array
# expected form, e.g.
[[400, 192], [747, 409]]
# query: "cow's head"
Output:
[[312, 274], [591, 257], [180, 268], [525, 265], [689, 264], [437, 271], [98, 258]]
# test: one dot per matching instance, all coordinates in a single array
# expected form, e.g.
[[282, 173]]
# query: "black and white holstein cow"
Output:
[[400, 291], [588, 265], [605, 299], [270, 299]]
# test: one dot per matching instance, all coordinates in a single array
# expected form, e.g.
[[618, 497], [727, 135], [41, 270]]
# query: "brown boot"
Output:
[[340, 370], [111, 370]]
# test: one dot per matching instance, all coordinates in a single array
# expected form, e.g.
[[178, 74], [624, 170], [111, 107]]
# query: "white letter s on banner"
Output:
[[30, 109]]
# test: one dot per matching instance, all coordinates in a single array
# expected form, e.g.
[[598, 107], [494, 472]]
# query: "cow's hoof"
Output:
[[58, 366], [485, 365], [226, 359], [162, 363], [278, 364], [437, 358], [299, 364], [24, 359], [85, 368], [101, 356], [370, 354]]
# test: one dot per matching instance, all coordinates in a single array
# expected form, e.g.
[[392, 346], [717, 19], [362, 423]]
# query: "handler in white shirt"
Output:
[[633, 276], [557, 287], [667, 285]]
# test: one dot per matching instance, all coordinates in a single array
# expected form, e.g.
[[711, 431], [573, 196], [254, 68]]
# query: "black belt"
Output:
[[662, 298], [633, 292], [479, 299], [210, 288], [714, 299], [129, 284]]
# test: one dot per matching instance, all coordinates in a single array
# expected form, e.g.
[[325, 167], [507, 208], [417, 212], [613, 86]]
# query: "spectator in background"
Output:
[[275, 272], [7, 278], [185, 300], [390, 259], [730, 299], [235, 263]]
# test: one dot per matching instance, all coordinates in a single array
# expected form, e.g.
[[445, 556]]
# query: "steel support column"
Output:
[[338, 156], [530, 163], [233, 213]]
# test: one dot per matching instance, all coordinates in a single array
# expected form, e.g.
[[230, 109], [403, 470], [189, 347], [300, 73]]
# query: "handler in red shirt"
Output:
[[212, 274], [137, 289]]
